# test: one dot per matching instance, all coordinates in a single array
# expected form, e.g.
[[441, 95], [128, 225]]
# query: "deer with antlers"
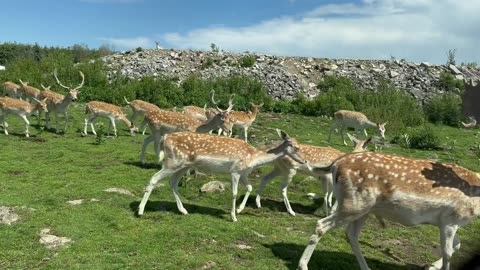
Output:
[[139, 108], [12, 90], [404, 190], [197, 112], [59, 103], [344, 119], [162, 122], [210, 153], [95, 109], [29, 92], [315, 156], [22, 109]]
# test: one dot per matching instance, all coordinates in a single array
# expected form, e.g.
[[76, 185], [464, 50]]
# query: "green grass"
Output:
[[46, 170]]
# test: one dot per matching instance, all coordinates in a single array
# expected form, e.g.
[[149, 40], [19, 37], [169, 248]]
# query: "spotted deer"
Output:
[[29, 92], [244, 120], [22, 109], [315, 156], [95, 109], [404, 190], [163, 122], [197, 112], [12, 90], [215, 154], [344, 119], [139, 108], [59, 103]]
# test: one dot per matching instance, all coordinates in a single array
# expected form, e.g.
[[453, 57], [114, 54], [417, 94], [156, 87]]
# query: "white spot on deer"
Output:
[[385, 181], [387, 167], [370, 176]]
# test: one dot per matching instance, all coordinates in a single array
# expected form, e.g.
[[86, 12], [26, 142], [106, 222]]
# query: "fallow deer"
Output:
[[139, 108], [197, 112], [163, 122], [21, 108], [215, 154], [244, 120], [58, 103], [315, 156], [12, 90], [344, 119], [29, 92], [95, 109], [404, 190]]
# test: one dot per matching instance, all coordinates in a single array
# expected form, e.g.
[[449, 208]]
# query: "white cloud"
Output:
[[417, 30], [128, 43]]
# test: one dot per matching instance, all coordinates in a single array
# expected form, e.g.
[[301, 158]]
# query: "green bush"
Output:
[[445, 109], [449, 83], [423, 137], [247, 61]]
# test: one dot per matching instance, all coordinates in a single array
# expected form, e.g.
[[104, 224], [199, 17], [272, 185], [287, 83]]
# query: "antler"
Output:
[[25, 83], [45, 88], [58, 81], [83, 80], [230, 102]]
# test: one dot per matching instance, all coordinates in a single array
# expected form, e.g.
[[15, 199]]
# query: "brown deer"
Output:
[[95, 109], [12, 90], [344, 119], [139, 108], [29, 92], [22, 109]]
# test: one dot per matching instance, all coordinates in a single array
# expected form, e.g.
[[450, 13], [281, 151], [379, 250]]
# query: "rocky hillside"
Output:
[[284, 77]]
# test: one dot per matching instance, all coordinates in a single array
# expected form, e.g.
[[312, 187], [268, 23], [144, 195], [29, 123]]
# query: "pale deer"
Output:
[[244, 120], [12, 90], [58, 103], [21, 108], [215, 154], [163, 122], [344, 119], [404, 190], [197, 112], [139, 108], [315, 156], [29, 92], [95, 109], [472, 124]]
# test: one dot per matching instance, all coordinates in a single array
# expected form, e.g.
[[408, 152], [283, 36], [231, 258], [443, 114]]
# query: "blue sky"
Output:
[[416, 30]]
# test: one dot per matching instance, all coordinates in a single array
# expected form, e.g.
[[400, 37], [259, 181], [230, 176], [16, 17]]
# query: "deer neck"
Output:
[[369, 124], [263, 157], [208, 126], [126, 121]]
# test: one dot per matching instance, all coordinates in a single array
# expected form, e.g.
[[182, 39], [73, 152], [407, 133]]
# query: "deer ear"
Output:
[[366, 143], [283, 134]]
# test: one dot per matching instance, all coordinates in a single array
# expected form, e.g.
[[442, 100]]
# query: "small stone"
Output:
[[75, 202], [52, 241], [243, 246], [7, 216], [120, 191], [213, 186]]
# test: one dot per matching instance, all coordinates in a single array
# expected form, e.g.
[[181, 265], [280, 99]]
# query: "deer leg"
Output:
[[326, 193], [146, 141], [47, 120], [235, 178], [174, 185], [159, 150], [27, 123], [92, 122], [342, 132], [365, 132], [244, 179], [456, 246], [353, 232], [163, 173], [56, 122], [266, 179], [65, 115], [112, 122], [447, 241], [287, 178], [245, 131], [334, 126], [323, 226], [4, 123]]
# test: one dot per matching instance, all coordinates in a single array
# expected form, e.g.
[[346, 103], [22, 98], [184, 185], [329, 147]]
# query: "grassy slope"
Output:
[[47, 170]]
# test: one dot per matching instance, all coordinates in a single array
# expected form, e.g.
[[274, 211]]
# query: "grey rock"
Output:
[[213, 186]]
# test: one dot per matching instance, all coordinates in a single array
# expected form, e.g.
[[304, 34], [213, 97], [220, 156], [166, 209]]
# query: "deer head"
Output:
[[73, 92]]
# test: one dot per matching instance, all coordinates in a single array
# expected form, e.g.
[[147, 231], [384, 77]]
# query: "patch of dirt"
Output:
[[120, 191], [208, 265], [8, 215], [15, 172], [51, 241], [243, 246], [36, 139]]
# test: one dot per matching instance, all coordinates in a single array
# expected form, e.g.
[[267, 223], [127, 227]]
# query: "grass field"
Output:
[[45, 171]]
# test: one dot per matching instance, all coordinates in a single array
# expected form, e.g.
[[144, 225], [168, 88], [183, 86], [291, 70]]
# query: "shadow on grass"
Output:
[[291, 253], [166, 206], [279, 206], [144, 166]]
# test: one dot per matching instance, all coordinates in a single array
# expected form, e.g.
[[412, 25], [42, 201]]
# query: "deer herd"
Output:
[[404, 190]]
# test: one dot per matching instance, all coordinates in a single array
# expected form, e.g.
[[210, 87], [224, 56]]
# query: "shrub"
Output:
[[423, 138], [247, 61], [207, 63], [449, 83], [445, 109]]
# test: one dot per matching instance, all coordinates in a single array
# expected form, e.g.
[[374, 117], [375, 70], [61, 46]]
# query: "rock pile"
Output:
[[284, 77]]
